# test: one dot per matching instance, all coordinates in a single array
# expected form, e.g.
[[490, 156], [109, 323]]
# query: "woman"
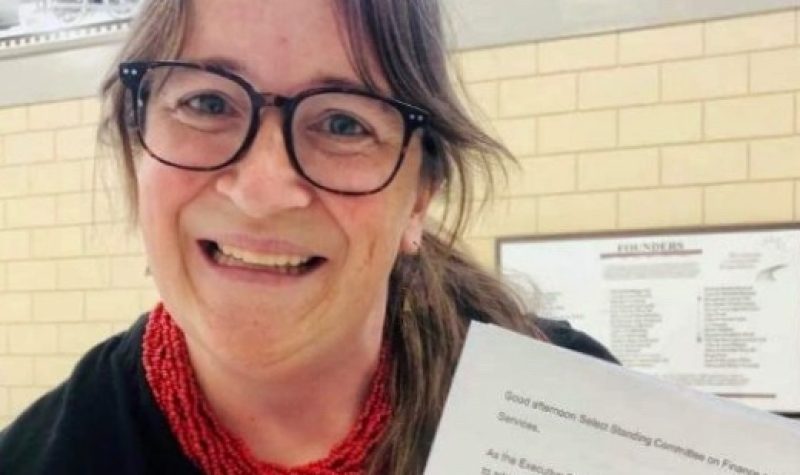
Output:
[[280, 156]]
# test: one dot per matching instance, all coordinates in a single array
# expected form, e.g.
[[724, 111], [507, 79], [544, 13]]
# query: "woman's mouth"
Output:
[[229, 256]]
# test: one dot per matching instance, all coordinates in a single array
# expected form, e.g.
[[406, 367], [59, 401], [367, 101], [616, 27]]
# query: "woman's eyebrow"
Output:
[[318, 80], [337, 81], [228, 64]]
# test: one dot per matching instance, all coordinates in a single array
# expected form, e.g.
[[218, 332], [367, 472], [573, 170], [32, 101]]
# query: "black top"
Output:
[[104, 420]]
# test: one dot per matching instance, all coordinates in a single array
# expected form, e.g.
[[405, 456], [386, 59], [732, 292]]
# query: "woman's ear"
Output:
[[412, 235]]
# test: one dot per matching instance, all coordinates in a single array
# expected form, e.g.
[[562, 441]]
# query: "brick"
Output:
[[58, 242], [537, 95], [660, 44], [107, 205], [13, 181], [499, 62], [660, 124], [74, 208], [91, 110], [89, 208], [102, 173], [750, 33], [52, 370], [482, 250], [482, 189], [31, 339], [29, 147], [129, 272], [31, 212], [663, 207], [78, 338], [16, 370], [5, 406], [22, 398], [49, 178], [15, 307], [149, 298], [3, 342], [54, 115], [797, 112], [704, 78], [618, 87], [572, 213], [775, 70], [120, 327], [775, 158], [58, 306], [91, 175], [618, 169], [111, 305], [796, 199], [111, 239], [14, 245], [92, 273], [543, 175], [31, 275], [704, 163], [577, 53], [577, 131], [749, 116], [749, 203], [482, 99], [505, 217], [13, 119], [519, 135], [76, 143]]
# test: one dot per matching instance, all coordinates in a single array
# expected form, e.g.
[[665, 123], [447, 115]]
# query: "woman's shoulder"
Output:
[[92, 422]]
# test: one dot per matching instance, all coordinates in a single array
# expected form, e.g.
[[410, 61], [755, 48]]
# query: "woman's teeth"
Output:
[[233, 256]]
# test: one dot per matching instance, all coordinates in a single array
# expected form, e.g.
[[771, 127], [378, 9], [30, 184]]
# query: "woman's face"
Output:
[[260, 211]]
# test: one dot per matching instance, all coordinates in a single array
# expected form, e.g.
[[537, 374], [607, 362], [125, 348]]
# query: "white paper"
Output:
[[518, 406], [718, 311]]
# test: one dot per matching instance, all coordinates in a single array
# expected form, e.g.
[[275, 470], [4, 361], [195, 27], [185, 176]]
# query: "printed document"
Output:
[[518, 406]]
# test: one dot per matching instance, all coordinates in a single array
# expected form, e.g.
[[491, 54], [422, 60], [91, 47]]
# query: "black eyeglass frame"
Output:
[[131, 74]]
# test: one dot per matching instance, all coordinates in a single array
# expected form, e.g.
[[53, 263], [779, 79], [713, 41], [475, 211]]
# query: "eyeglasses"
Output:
[[201, 117]]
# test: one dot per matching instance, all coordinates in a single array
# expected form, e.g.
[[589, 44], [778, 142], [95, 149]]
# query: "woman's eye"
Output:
[[341, 124], [211, 104]]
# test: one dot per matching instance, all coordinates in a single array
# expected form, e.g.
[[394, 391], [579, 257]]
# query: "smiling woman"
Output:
[[280, 158]]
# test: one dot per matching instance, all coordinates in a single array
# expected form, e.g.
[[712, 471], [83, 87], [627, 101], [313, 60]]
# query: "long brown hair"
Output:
[[435, 294]]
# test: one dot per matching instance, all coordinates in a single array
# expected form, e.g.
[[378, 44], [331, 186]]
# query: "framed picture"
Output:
[[717, 309]]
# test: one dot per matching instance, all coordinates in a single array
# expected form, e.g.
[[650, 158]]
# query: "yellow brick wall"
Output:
[[70, 273], [686, 125]]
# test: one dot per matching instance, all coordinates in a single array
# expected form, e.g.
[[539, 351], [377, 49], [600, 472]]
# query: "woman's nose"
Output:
[[264, 182]]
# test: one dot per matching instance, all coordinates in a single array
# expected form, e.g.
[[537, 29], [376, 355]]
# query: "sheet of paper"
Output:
[[518, 406]]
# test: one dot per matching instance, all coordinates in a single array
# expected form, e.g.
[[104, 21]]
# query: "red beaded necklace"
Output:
[[210, 445]]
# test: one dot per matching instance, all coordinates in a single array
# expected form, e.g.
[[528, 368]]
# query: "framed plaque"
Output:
[[717, 309]]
